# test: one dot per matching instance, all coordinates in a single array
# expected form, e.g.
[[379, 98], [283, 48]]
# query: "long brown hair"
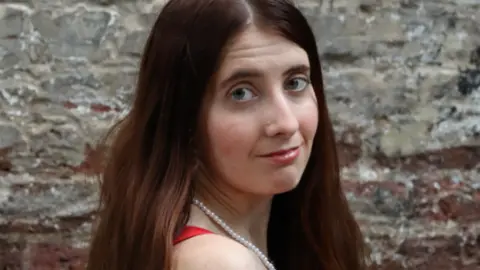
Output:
[[146, 187]]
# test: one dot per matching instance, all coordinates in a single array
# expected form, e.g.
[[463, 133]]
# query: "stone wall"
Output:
[[402, 82]]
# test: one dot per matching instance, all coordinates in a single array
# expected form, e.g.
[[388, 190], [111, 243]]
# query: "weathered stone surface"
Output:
[[11, 255], [402, 80], [56, 257]]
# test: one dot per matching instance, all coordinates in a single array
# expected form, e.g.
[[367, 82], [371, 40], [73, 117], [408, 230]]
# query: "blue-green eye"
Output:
[[242, 94], [297, 84]]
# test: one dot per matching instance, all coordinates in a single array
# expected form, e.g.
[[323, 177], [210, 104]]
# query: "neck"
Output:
[[245, 214]]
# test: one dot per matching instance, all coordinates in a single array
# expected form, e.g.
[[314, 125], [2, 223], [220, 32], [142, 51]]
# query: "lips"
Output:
[[281, 152], [283, 157]]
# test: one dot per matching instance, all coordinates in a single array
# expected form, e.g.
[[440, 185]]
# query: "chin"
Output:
[[285, 183]]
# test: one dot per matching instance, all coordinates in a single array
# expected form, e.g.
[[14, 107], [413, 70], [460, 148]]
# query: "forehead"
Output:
[[261, 50]]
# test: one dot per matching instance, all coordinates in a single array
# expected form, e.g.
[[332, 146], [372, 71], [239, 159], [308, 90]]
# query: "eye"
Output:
[[297, 84], [242, 94]]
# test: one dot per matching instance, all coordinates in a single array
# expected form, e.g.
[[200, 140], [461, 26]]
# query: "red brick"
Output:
[[462, 157], [97, 107], [428, 185], [5, 163], [369, 188], [434, 253], [47, 256], [444, 199], [92, 164], [386, 198], [442, 252], [11, 255], [431, 198], [349, 147], [442, 262], [460, 209], [70, 105]]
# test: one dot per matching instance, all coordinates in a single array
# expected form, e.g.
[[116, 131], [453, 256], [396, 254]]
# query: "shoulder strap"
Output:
[[189, 232]]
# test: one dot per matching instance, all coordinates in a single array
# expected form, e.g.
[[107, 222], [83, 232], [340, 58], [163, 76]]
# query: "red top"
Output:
[[189, 232]]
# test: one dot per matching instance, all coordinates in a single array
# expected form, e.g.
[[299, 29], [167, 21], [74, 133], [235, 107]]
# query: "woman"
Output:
[[227, 159]]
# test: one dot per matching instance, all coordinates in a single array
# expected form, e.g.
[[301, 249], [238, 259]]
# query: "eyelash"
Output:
[[304, 78]]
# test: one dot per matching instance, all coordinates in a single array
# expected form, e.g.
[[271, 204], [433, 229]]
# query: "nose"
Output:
[[281, 118]]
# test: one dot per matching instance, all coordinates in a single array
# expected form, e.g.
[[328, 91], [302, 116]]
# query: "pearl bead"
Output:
[[234, 235]]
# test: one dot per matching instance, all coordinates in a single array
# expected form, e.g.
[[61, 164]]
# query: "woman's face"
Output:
[[261, 116]]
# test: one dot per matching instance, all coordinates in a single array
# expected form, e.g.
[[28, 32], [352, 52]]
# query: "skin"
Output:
[[272, 108]]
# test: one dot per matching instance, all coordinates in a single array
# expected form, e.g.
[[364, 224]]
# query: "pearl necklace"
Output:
[[234, 235]]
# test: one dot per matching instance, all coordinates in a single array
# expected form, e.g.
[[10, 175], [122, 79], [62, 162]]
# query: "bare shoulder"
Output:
[[213, 252]]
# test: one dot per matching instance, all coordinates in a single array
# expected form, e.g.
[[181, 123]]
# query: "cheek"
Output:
[[227, 138], [308, 120]]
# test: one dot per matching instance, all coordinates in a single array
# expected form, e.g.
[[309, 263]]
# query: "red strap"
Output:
[[189, 232]]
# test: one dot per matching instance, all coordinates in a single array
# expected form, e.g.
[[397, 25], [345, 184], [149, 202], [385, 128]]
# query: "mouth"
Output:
[[283, 157], [281, 152]]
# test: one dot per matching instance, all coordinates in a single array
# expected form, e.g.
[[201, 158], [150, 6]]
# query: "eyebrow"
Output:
[[255, 73]]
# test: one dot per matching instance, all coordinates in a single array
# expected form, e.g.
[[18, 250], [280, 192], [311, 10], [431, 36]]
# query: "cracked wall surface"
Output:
[[402, 82]]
